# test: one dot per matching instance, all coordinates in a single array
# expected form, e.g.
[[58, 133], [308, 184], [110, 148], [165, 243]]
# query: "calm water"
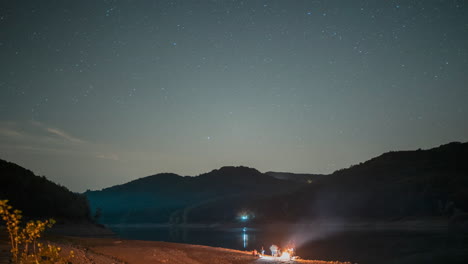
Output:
[[365, 247]]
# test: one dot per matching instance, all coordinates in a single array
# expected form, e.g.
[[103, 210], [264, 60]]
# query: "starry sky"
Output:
[[98, 93]]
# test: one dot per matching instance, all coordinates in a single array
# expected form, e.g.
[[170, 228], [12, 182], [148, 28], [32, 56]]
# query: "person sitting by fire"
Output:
[[291, 251], [290, 248], [273, 250], [263, 251]]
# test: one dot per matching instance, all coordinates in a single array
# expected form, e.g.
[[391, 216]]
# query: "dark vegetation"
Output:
[[215, 196], [38, 197], [393, 186], [298, 177]]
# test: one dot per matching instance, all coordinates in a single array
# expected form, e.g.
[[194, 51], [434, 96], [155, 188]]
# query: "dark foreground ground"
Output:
[[110, 250], [363, 246]]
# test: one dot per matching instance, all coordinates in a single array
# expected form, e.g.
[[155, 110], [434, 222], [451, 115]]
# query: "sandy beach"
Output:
[[117, 251], [109, 249]]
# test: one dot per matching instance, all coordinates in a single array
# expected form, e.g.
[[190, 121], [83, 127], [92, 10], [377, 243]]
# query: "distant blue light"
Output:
[[244, 217]]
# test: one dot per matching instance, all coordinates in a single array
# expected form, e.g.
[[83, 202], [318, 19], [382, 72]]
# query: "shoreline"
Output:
[[99, 248], [93, 243], [118, 251]]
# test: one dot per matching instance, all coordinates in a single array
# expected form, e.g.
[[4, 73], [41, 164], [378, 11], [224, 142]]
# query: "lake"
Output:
[[357, 246]]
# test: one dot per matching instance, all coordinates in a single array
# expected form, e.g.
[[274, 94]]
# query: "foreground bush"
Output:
[[25, 248]]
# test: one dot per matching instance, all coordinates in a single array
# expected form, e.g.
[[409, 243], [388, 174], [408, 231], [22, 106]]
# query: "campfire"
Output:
[[285, 255]]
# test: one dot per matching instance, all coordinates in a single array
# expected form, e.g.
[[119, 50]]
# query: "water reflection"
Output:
[[245, 238]]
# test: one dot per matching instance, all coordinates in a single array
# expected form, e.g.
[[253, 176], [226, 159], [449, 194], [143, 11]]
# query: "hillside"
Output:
[[38, 197], [395, 185], [169, 197], [299, 177]]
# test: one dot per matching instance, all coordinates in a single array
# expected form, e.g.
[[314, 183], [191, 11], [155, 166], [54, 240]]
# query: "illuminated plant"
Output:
[[23, 240]]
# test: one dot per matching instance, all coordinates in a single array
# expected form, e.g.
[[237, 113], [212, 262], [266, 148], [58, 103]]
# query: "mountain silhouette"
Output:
[[170, 197], [299, 177], [394, 185], [38, 197]]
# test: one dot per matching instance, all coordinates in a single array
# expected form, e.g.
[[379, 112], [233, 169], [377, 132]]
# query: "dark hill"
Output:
[[401, 166], [299, 177], [394, 185], [158, 182], [170, 197], [38, 197]]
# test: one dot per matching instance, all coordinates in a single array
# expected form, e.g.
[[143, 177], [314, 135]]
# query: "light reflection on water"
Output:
[[245, 239], [235, 238]]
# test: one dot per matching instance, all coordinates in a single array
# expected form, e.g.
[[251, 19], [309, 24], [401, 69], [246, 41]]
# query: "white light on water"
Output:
[[245, 238]]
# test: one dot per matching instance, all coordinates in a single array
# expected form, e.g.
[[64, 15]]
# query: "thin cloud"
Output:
[[64, 135], [58, 132], [7, 132], [110, 156], [34, 136]]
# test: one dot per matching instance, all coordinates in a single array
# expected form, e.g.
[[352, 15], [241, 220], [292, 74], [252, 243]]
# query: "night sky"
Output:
[[98, 93]]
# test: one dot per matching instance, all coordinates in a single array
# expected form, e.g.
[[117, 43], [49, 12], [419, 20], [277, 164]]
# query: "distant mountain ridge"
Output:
[[299, 177], [393, 185], [170, 197], [397, 184]]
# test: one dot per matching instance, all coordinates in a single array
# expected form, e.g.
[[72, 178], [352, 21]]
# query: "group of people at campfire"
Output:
[[276, 251]]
